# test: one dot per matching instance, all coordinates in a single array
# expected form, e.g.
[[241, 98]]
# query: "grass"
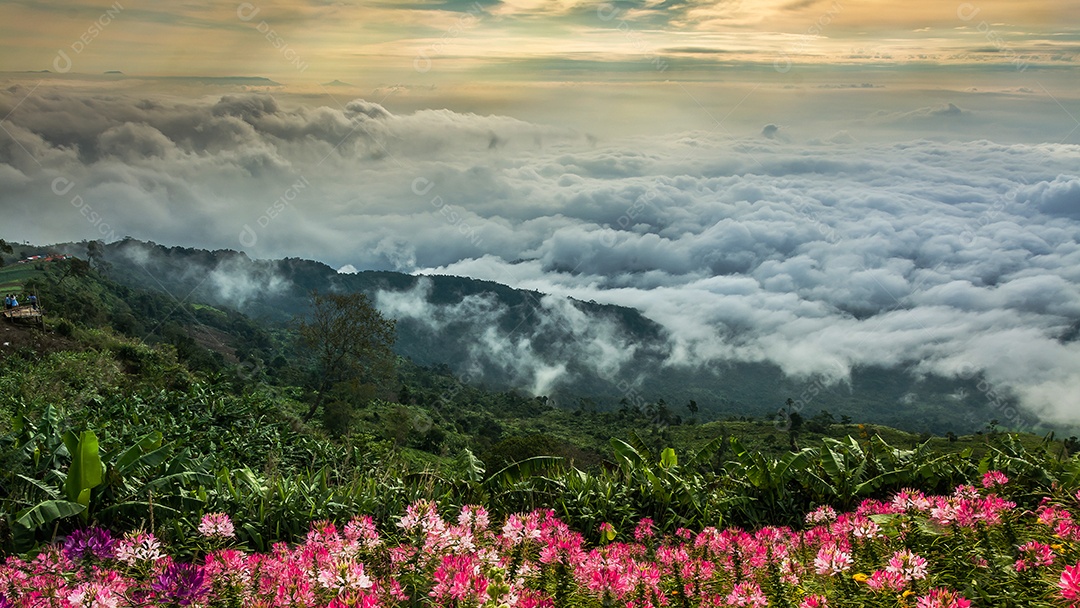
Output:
[[12, 278]]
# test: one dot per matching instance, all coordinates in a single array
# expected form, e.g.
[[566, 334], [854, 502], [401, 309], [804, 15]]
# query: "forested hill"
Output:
[[574, 352]]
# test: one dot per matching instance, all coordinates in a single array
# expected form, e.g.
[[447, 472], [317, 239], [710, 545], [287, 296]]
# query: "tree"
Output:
[[821, 422], [75, 268], [350, 342], [95, 255], [5, 247], [795, 422]]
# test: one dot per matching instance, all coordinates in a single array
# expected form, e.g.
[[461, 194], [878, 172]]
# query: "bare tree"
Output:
[[350, 342]]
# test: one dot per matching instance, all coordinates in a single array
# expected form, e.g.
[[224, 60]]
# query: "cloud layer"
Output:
[[941, 257]]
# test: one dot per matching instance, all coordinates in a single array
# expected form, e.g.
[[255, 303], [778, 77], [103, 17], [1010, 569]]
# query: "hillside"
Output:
[[563, 349], [195, 408]]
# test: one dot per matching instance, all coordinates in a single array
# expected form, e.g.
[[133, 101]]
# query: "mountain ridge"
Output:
[[580, 354]]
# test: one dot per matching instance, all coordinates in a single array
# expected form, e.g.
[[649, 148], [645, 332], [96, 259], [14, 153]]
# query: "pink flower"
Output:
[[907, 564], [814, 601], [645, 529], [459, 577], [746, 594], [1033, 555], [95, 595], [345, 577], [884, 580], [942, 598], [475, 517], [911, 500], [1069, 584], [361, 530], [216, 525], [821, 515], [866, 528], [832, 560], [992, 479]]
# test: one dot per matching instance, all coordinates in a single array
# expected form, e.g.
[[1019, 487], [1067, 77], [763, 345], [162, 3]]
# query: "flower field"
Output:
[[973, 547]]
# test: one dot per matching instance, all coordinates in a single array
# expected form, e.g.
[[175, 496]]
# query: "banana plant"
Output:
[[70, 495], [678, 494], [766, 489]]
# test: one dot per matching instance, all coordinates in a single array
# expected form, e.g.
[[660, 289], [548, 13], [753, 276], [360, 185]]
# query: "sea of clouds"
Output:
[[952, 257]]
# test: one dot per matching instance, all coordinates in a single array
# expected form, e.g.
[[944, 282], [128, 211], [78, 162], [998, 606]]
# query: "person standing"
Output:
[[32, 301]]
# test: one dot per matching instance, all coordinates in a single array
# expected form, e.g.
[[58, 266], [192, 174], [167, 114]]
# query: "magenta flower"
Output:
[[459, 578], [89, 543], [746, 594], [1069, 584], [645, 529], [814, 601], [992, 479], [1033, 555], [180, 585], [942, 598], [886, 581]]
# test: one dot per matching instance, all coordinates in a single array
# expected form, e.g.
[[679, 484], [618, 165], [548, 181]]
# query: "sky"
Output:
[[817, 184]]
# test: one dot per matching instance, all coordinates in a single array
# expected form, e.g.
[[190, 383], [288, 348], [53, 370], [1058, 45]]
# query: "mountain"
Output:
[[579, 354]]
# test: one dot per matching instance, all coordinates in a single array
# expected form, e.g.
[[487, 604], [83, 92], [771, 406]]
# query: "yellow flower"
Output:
[[860, 577], [908, 593], [1057, 547]]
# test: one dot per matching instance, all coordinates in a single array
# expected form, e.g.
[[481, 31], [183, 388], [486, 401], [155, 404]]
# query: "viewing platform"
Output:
[[24, 314]]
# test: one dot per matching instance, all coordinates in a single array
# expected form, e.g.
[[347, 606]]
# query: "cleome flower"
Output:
[[884, 581], [1033, 555], [908, 565], [138, 548], [992, 479], [89, 543], [832, 560], [821, 515], [942, 598], [217, 526], [1069, 583]]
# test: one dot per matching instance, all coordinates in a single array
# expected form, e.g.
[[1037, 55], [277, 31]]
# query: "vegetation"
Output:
[[969, 547], [138, 412], [278, 290], [351, 344]]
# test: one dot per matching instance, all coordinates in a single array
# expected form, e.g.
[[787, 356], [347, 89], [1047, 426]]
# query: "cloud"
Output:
[[558, 343], [932, 256], [1058, 197]]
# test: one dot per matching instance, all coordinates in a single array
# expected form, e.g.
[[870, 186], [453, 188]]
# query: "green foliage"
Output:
[[350, 343], [206, 415], [86, 470]]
